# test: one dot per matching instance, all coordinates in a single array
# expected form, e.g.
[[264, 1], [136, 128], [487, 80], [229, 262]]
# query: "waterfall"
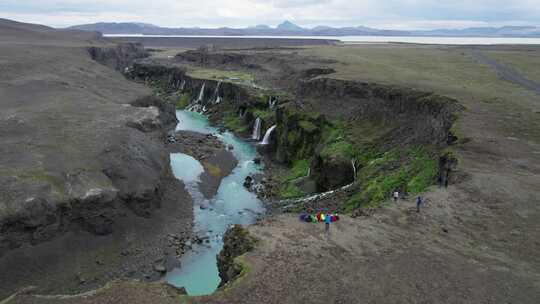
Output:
[[272, 102], [196, 105], [216, 93], [182, 85], [201, 94], [266, 139], [256, 135], [353, 162]]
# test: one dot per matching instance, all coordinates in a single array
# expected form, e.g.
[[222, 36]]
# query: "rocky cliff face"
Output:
[[236, 242], [411, 117], [114, 157], [298, 134], [83, 154], [388, 117], [118, 57], [172, 79]]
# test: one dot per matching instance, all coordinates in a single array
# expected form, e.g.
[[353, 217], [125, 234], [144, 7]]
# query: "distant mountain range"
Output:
[[288, 28]]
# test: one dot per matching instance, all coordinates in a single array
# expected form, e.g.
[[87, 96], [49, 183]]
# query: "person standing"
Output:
[[327, 221], [418, 203], [396, 196]]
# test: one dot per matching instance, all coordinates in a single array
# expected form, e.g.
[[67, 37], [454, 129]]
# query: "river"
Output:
[[233, 204]]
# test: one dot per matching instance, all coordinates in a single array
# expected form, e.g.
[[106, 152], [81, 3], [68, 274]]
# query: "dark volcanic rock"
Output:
[[331, 173], [297, 134], [236, 242], [413, 117], [118, 57], [217, 161], [83, 154], [248, 182]]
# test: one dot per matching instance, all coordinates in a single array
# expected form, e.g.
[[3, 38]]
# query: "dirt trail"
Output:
[[507, 73]]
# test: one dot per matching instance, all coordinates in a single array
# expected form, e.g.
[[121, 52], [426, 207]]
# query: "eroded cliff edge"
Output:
[[87, 190]]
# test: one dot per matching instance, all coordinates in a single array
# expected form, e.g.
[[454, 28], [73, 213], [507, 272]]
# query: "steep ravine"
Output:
[[95, 210], [387, 120], [305, 127], [334, 126], [78, 219]]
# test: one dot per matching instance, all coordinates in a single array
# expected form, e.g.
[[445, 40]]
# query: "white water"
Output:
[[266, 139], [256, 135], [353, 163], [233, 204], [271, 102], [196, 106], [216, 94], [201, 94]]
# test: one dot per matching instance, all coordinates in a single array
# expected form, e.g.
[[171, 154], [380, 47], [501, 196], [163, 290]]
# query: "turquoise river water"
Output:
[[233, 204]]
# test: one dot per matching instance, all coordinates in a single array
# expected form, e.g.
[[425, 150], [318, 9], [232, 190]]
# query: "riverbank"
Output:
[[232, 204], [217, 160]]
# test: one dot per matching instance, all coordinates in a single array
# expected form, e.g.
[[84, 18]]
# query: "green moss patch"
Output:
[[232, 122], [412, 171], [336, 143], [300, 168], [307, 126], [182, 101], [290, 191], [263, 114]]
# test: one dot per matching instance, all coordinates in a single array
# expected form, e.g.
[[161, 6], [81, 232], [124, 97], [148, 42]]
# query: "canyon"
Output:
[[93, 205]]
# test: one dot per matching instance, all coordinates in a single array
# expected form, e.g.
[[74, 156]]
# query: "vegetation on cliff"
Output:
[[408, 171], [236, 242]]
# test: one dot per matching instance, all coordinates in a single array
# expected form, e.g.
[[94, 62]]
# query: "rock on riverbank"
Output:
[[217, 161]]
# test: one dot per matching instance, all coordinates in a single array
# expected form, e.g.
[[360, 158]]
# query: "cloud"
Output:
[[403, 14]]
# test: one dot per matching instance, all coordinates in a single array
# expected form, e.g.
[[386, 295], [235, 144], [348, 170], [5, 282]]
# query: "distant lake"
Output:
[[373, 39]]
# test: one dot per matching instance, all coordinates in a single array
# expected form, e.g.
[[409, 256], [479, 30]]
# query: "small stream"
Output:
[[233, 204]]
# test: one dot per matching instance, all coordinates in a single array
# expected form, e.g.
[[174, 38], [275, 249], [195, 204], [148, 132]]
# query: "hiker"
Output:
[[327, 221], [396, 196], [418, 203]]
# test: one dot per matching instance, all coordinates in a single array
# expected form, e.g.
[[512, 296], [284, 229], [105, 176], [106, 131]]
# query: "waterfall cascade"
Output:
[[353, 162], [266, 139], [216, 93], [256, 135], [197, 106], [182, 85], [272, 102], [201, 94]]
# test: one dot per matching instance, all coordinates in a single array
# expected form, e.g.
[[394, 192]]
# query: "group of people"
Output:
[[320, 217], [327, 218], [419, 200]]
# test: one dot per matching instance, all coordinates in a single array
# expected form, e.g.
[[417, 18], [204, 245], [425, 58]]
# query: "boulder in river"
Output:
[[248, 182]]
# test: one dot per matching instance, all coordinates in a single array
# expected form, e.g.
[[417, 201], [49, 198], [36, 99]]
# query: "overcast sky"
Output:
[[395, 14]]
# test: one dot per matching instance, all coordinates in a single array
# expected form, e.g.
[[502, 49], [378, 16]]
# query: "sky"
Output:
[[385, 14]]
